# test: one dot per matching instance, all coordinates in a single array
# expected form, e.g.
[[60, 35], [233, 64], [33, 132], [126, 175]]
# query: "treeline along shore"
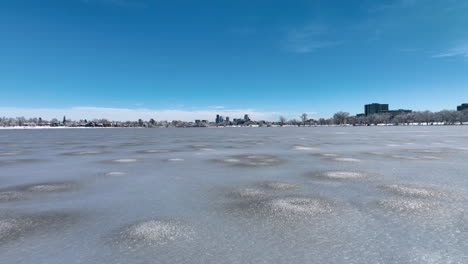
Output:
[[444, 117]]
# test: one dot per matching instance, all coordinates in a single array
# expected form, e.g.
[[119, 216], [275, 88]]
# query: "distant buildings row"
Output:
[[374, 114], [375, 108], [221, 119], [462, 107]]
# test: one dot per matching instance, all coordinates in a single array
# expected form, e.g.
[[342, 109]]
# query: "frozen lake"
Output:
[[234, 195]]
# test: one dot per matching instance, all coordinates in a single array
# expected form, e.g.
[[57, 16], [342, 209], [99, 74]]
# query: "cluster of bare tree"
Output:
[[38, 122], [446, 117]]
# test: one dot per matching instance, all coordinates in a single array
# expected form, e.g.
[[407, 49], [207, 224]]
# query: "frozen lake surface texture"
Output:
[[234, 195]]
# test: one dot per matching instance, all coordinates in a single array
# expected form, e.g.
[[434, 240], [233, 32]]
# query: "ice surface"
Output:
[[301, 206], [175, 159], [278, 185], [14, 226], [82, 153], [154, 232], [347, 159], [249, 160], [339, 175], [304, 148], [249, 193], [116, 173], [414, 190], [234, 195], [125, 160]]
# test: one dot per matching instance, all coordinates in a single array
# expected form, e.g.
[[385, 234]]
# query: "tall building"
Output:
[[219, 119], [375, 108], [246, 117], [462, 107]]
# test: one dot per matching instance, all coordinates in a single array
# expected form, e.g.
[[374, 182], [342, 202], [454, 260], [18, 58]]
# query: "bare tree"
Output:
[[282, 120], [340, 118], [465, 115], [294, 122], [304, 119]]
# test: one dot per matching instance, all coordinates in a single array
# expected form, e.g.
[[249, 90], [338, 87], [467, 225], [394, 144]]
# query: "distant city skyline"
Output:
[[217, 114], [183, 60]]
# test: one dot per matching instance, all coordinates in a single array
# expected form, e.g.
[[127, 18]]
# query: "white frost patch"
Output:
[[301, 205], [10, 196], [344, 175], [304, 148], [6, 226], [429, 151], [206, 149], [249, 193], [278, 185], [347, 159], [231, 160], [13, 153], [175, 159], [377, 153], [125, 160], [156, 151], [116, 173], [404, 157], [85, 153], [49, 187], [402, 205], [329, 155], [255, 157], [431, 158], [158, 232], [414, 190]]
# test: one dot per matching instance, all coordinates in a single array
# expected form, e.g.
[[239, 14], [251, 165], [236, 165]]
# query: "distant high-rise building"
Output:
[[462, 107], [375, 108], [217, 119], [246, 117], [227, 118], [370, 109]]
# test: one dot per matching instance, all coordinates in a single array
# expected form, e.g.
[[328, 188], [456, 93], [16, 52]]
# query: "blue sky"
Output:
[[265, 57]]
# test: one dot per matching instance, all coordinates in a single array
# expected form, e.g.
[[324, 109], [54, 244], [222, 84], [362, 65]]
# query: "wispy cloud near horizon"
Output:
[[125, 114]]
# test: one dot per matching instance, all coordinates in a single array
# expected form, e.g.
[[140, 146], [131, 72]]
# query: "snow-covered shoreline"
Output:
[[46, 127], [234, 126]]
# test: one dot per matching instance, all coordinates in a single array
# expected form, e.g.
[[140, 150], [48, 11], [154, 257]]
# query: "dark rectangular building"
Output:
[[462, 107], [375, 108]]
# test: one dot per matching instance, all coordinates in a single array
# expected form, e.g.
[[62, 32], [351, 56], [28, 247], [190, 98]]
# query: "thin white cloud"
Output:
[[397, 4], [456, 52], [307, 39], [124, 114]]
